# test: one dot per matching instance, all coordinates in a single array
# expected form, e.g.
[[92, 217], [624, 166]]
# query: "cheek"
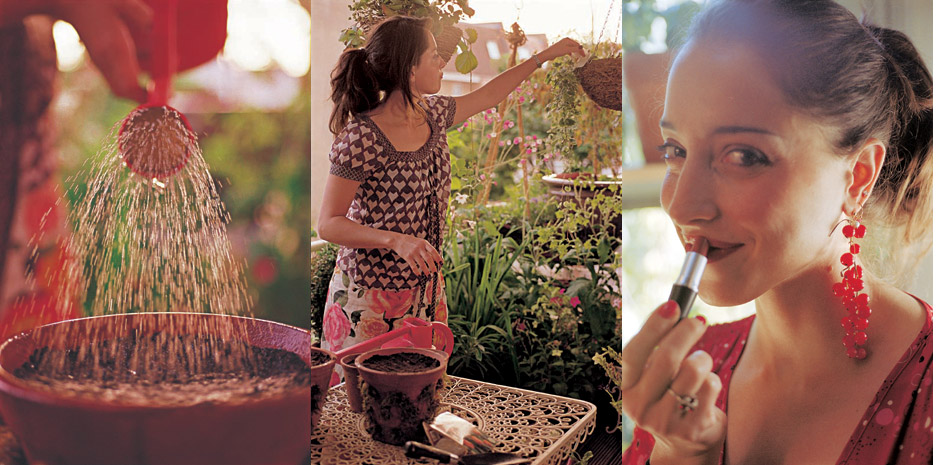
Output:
[[666, 191]]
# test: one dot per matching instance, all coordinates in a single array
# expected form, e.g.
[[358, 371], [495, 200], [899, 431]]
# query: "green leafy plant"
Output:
[[584, 135], [477, 272], [443, 14]]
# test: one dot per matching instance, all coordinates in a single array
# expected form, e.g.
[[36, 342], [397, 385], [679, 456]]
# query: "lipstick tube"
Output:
[[687, 284]]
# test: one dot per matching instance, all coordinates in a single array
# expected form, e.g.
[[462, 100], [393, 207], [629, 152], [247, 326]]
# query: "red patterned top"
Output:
[[896, 429], [405, 192]]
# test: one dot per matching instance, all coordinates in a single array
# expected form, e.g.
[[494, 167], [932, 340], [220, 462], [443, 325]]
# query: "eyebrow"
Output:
[[725, 129]]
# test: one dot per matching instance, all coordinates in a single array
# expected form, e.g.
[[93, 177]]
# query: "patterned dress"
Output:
[[372, 290], [896, 429]]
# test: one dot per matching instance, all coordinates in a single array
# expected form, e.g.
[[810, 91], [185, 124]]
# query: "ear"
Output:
[[865, 169]]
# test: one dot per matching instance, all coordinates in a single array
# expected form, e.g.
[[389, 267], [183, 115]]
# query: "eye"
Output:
[[746, 157], [671, 151]]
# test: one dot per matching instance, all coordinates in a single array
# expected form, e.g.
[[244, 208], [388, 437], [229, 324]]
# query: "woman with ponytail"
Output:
[[793, 134], [388, 187]]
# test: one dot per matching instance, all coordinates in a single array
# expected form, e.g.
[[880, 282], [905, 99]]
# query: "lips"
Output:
[[717, 249]]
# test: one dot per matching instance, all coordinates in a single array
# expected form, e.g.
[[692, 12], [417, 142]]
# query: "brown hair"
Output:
[[866, 81], [383, 65]]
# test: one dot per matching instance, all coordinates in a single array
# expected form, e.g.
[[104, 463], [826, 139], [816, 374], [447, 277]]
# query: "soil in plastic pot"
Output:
[[393, 418], [165, 370]]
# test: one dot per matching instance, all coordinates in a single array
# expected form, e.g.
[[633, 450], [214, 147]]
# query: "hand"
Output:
[[104, 27], [419, 254], [655, 370], [564, 47]]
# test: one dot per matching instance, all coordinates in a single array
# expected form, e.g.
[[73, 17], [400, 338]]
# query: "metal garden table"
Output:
[[543, 427]]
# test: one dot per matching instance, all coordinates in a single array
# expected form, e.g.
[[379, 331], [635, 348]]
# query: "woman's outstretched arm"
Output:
[[335, 227], [497, 89]]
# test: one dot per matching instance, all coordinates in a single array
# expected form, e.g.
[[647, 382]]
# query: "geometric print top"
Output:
[[896, 429], [404, 192]]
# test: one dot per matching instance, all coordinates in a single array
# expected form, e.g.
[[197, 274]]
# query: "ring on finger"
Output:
[[686, 403]]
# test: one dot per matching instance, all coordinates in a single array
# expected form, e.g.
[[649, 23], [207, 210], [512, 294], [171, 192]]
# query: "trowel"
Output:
[[419, 450]]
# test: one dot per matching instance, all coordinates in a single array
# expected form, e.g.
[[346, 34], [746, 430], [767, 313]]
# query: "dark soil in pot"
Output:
[[166, 370], [401, 363]]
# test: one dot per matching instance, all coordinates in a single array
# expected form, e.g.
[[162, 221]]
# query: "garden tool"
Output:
[[418, 450], [156, 140]]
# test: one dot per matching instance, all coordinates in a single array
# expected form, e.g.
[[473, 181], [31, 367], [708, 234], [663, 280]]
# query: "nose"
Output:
[[689, 195]]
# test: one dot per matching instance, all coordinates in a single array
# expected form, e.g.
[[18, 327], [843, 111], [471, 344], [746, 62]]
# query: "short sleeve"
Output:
[[354, 152], [441, 110]]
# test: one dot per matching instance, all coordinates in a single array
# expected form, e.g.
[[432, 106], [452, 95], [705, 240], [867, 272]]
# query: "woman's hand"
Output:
[[104, 27], [564, 47], [660, 381], [419, 254]]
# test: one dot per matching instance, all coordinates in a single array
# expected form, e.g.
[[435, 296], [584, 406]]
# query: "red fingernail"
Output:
[[701, 318], [668, 310]]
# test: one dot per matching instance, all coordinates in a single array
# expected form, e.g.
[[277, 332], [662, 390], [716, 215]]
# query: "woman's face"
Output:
[[745, 170], [427, 74]]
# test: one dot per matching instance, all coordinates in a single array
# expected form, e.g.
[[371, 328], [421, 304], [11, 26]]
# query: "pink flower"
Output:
[[370, 328], [529, 151], [522, 161], [574, 301], [561, 291], [522, 99], [500, 144], [336, 326], [393, 304], [482, 177], [492, 135], [517, 140]]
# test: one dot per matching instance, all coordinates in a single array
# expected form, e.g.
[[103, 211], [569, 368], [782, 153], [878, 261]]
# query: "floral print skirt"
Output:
[[355, 314]]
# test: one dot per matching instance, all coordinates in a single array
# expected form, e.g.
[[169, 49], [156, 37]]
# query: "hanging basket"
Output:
[[602, 81], [447, 41]]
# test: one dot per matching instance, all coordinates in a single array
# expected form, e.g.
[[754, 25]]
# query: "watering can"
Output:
[[412, 332], [183, 35]]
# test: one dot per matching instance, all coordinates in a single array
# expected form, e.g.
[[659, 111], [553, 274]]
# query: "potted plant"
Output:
[[158, 388], [322, 364], [645, 73], [443, 15], [584, 135], [400, 391]]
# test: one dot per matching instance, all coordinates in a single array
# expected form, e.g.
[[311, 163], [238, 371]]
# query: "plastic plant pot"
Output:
[[321, 377], [55, 428], [352, 382], [398, 402]]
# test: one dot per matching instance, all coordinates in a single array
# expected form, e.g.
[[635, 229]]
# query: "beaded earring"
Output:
[[849, 289]]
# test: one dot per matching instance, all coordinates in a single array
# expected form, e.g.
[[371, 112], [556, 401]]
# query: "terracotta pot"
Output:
[[352, 382], [321, 378], [397, 403], [562, 186], [645, 79], [57, 429]]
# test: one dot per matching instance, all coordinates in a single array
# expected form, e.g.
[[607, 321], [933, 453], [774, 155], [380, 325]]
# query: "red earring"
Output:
[[849, 289]]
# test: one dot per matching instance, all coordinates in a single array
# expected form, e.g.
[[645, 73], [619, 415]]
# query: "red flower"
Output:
[[574, 301], [30, 311], [264, 270]]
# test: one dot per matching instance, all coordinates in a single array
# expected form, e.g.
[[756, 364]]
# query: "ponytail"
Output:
[[354, 88], [383, 66], [904, 188]]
